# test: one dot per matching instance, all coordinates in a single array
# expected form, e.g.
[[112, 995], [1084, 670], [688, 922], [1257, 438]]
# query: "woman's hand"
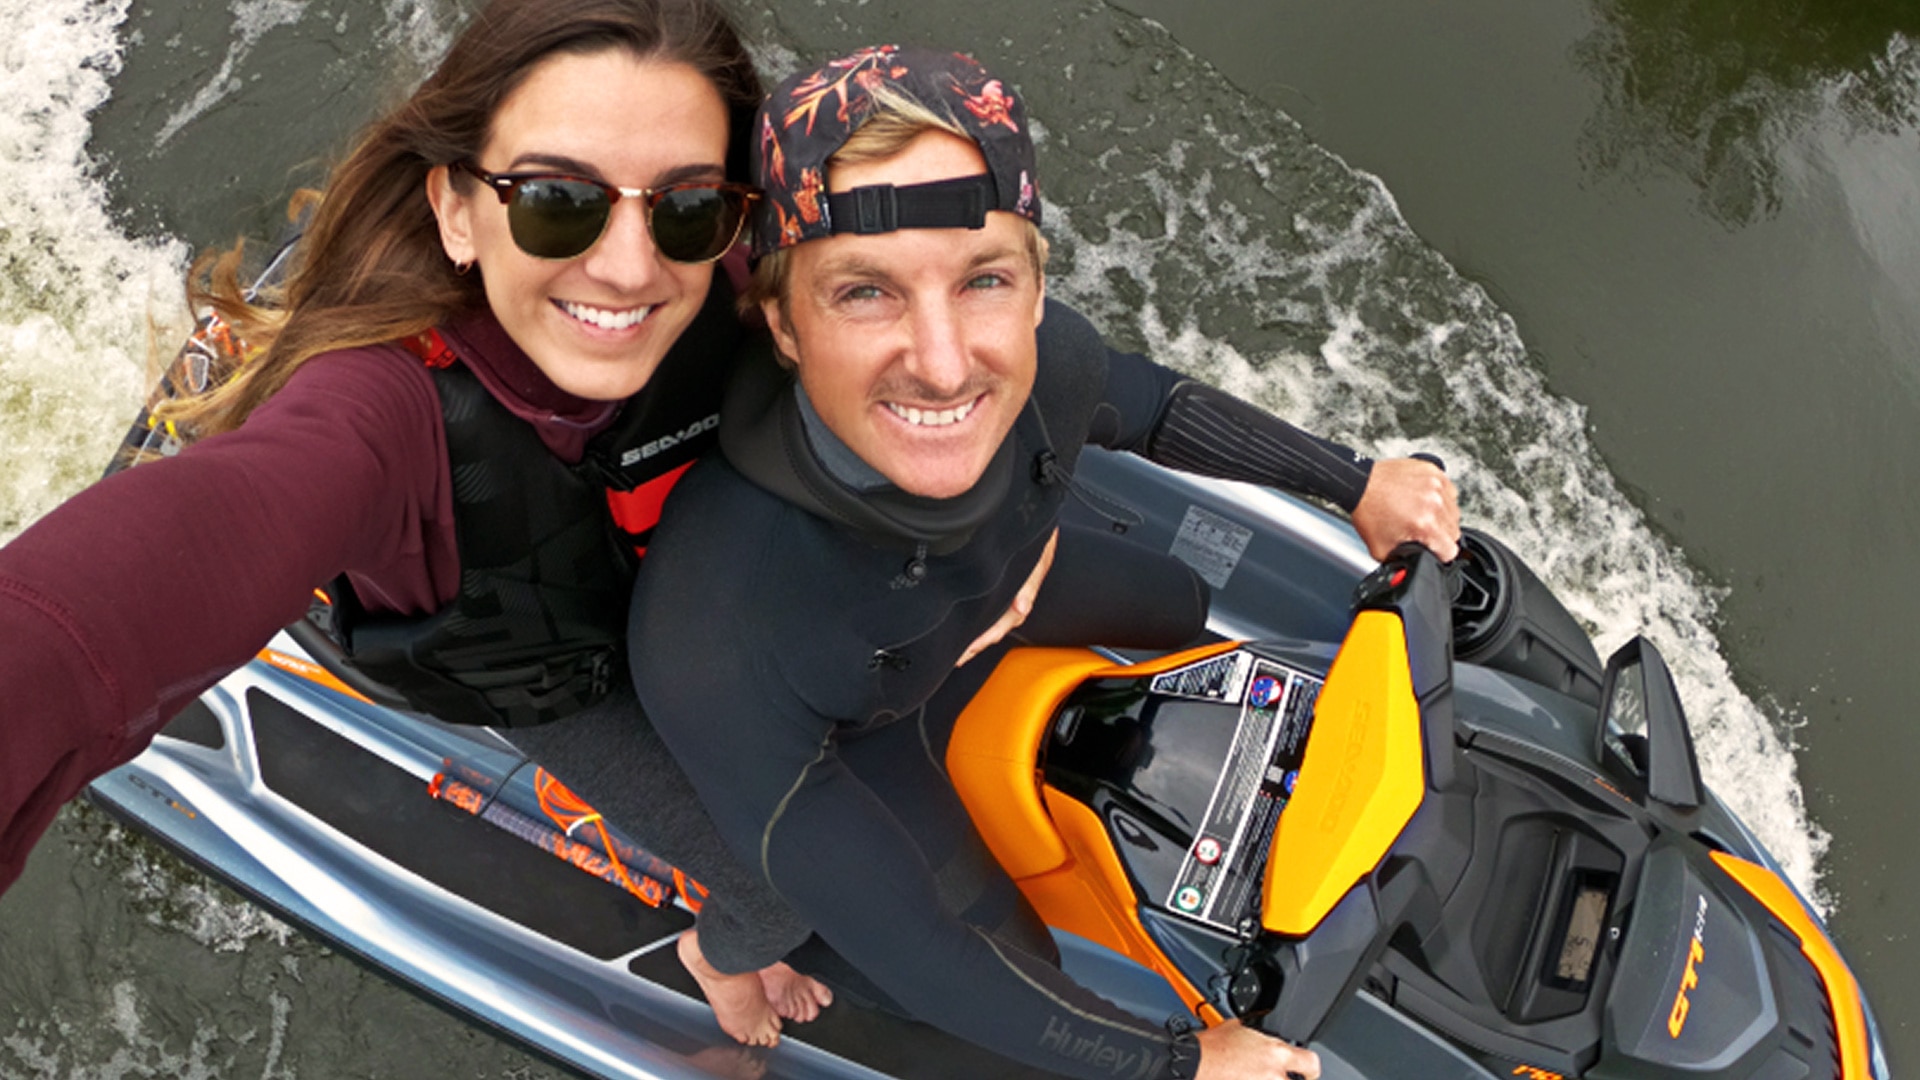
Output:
[[1233, 1051], [1407, 499], [1021, 607]]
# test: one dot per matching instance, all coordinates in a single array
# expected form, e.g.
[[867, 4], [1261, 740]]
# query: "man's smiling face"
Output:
[[916, 347]]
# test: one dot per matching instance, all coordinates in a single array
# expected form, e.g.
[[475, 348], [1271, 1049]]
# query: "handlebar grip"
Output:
[[1431, 459]]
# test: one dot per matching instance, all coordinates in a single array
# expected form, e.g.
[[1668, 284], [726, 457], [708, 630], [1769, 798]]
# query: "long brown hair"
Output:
[[370, 266]]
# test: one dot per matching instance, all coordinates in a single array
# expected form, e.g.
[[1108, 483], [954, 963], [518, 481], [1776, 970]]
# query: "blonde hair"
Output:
[[898, 119]]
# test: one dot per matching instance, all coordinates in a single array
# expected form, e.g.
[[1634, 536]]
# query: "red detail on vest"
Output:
[[431, 348], [638, 511]]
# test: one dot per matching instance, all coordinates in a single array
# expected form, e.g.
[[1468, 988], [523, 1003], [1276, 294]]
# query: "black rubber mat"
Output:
[[389, 811], [879, 1040], [196, 724]]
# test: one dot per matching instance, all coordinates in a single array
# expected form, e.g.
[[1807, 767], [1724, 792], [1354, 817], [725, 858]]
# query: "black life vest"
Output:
[[548, 550]]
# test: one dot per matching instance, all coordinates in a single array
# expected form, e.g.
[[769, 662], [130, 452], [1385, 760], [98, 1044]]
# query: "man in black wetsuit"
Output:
[[886, 487]]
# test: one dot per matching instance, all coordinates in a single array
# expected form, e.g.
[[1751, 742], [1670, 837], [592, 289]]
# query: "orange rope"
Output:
[[569, 811], [688, 888]]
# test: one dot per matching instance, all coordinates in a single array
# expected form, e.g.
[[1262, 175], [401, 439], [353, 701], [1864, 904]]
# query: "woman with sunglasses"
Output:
[[506, 306]]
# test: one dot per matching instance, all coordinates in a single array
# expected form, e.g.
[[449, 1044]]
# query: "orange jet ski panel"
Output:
[[1054, 847], [310, 671], [1091, 896], [994, 754], [996, 745], [1849, 1018], [1360, 783]]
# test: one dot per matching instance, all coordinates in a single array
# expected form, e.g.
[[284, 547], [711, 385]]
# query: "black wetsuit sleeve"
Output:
[[1208, 431], [1164, 416]]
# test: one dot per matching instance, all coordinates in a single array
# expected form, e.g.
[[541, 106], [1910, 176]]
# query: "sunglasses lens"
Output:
[[557, 219], [696, 224]]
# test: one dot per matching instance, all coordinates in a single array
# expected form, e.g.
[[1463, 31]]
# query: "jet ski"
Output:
[[1456, 845], [1401, 813]]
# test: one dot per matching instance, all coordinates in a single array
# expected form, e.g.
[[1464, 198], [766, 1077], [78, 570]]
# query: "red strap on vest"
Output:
[[638, 511], [431, 348]]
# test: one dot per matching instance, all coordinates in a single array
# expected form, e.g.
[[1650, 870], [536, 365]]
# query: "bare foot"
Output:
[[793, 995], [739, 1002]]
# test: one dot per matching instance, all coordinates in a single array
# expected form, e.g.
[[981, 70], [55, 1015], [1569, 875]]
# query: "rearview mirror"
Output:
[[1638, 704]]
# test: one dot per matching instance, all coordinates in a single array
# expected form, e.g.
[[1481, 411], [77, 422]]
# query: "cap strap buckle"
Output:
[[876, 209], [960, 203]]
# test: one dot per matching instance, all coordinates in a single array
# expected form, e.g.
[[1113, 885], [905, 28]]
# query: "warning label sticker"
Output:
[[1222, 873], [1211, 544]]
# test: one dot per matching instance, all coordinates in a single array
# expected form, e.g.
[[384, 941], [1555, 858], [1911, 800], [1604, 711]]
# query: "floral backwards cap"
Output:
[[809, 116]]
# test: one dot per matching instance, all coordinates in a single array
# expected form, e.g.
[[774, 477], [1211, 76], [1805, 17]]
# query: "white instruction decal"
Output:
[[1210, 544]]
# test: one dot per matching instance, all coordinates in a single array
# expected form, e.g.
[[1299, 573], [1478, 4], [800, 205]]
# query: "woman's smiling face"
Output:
[[598, 324]]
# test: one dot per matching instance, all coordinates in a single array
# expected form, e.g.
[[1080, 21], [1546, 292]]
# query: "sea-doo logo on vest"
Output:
[[1095, 1052], [668, 442], [1690, 978]]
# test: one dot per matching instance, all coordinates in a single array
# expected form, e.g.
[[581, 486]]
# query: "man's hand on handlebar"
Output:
[[1407, 499], [1233, 1051]]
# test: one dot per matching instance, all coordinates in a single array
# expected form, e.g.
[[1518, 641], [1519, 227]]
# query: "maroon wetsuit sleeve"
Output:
[[127, 601]]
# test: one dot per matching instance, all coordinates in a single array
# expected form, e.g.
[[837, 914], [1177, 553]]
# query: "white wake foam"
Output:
[[1525, 467], [76, 294]]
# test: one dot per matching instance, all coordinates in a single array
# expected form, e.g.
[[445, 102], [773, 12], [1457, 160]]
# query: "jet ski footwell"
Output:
[[317, 806]]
